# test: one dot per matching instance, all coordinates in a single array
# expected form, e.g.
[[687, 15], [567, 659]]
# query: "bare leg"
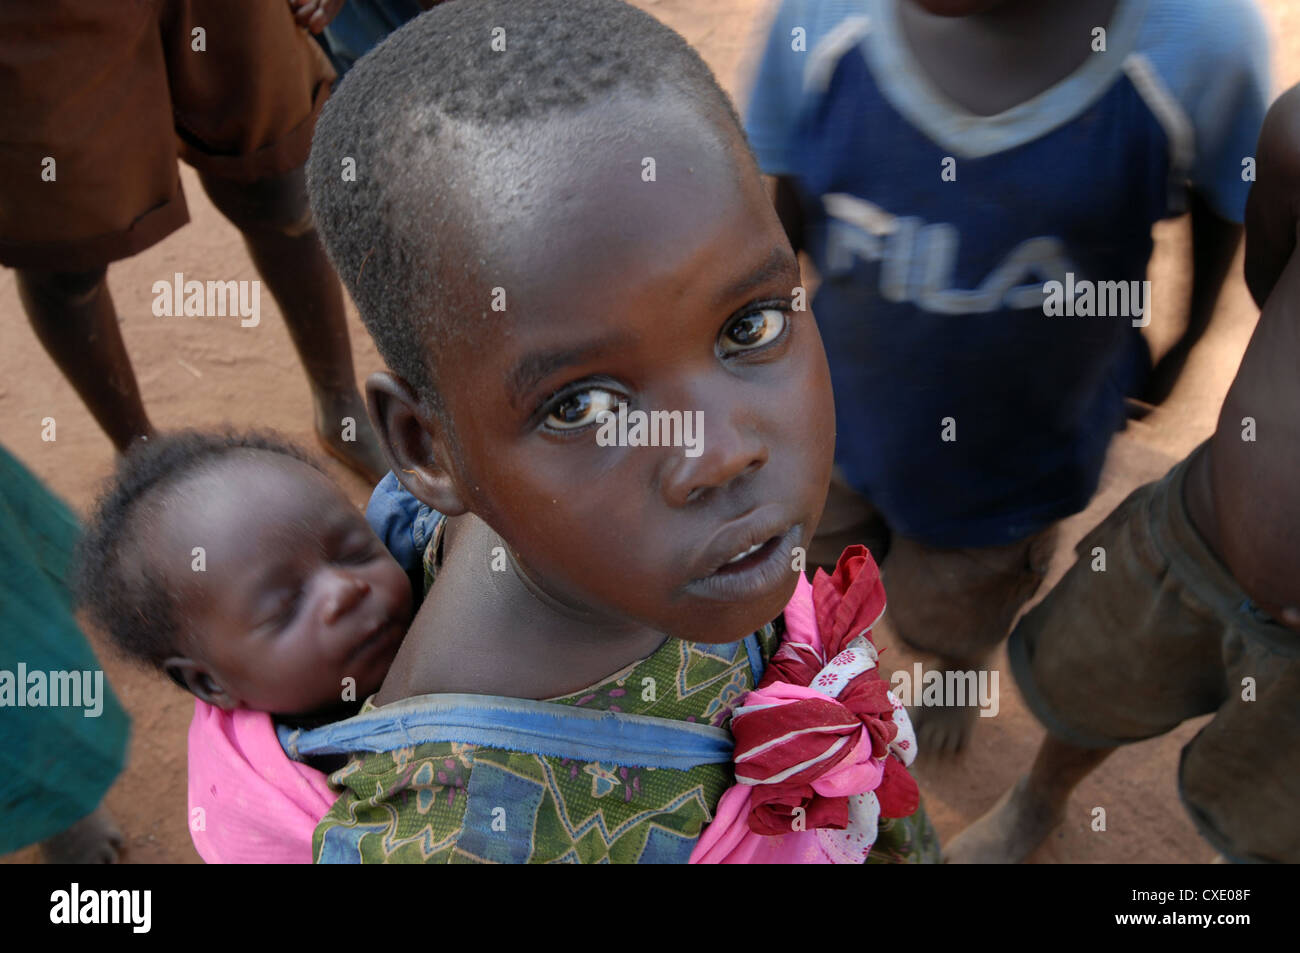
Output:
[[95, 839], [943, 730], [959, 604], [275, 219], [73, 316], [1014, 827]]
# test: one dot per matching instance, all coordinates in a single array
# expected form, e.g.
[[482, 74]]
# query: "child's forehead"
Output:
[[250, 493], [585, 223], [599, 197], [231, 473], [523, 182]]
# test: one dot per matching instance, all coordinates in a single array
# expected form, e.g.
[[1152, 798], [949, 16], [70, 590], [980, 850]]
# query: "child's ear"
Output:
[[416, 443], [196, 680]]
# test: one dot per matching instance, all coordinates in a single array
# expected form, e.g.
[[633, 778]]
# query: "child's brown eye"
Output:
[[580, 409], [753, 330]]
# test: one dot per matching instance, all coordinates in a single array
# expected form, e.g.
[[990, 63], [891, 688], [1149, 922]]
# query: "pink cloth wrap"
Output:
[[834, 750], [249, 803]]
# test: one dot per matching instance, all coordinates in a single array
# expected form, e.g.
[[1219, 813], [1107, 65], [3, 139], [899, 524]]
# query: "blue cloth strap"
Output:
[[756, 665], [515, 724]]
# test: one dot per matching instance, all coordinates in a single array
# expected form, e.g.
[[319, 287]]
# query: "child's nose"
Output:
[[344, 593], [729, 448]]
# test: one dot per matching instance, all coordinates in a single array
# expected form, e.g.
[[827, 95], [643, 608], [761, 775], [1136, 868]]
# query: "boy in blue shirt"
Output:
[[976, 182]]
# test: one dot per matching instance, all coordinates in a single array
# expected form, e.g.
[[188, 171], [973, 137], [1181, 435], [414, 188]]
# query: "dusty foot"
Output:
[[360, 453], [942, 730], [1009, 832], [94, 839]]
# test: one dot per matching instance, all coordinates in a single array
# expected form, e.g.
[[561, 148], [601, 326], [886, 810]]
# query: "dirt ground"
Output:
[[209, 371]]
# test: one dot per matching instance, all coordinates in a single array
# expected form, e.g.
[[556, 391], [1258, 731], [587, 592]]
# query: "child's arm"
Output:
[[1257, 512], [1273, 208], [1217, 77], [1214, 245]]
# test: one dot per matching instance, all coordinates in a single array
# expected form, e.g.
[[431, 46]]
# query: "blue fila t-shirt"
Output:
[[968, 412]]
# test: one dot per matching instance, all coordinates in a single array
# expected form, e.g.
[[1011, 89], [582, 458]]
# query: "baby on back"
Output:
[[237, 568]]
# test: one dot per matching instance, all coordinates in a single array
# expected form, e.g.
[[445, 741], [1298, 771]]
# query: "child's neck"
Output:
[[991, 62], [494, 633]]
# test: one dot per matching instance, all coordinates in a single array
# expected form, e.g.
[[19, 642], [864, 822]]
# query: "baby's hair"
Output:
[[114, 578], [446, 86]]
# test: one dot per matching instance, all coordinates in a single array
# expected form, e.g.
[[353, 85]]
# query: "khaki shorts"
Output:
[[1164, 634], [112, 91], [955, 603]]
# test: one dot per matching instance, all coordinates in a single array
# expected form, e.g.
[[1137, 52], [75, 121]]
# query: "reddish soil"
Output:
[[206, 371]]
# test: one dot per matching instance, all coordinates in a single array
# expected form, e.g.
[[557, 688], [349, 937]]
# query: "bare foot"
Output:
[[1009, 832], [344, 432], [95, 839], [942, 730]]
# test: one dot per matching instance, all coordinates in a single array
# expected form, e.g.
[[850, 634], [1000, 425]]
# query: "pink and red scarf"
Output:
[[822, 746]]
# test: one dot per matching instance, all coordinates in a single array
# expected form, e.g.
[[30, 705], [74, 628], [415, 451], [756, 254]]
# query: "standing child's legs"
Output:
[[958, 604], [1030, 810], [244, 117], [275, 219], [72, 314], [1147, 629], [89, 175]]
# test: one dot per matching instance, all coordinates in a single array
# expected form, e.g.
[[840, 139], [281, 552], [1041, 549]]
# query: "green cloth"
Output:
[[441, 802], [56, 764]]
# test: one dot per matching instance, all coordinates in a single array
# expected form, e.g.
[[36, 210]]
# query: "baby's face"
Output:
[[676, 294], [298, 594]]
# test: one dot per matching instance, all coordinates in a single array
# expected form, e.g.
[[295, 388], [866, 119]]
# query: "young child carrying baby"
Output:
[[556, 215], [236, 567]]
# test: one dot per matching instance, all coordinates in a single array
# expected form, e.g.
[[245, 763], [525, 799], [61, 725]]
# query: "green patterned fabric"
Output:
[[906, 840], [457, 803]]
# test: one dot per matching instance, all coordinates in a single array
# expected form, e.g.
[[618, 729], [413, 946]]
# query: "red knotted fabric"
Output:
[[804, 749]]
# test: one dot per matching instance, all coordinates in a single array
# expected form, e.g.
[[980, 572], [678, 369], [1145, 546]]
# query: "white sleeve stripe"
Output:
[[1175, 122], [830, 49]]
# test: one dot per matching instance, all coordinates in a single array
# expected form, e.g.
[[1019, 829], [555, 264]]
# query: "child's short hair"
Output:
[[381, 173], [113, 577]]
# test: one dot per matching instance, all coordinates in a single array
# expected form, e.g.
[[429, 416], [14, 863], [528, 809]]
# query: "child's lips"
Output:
[[737, 540], [755, 574], [747, 558]]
